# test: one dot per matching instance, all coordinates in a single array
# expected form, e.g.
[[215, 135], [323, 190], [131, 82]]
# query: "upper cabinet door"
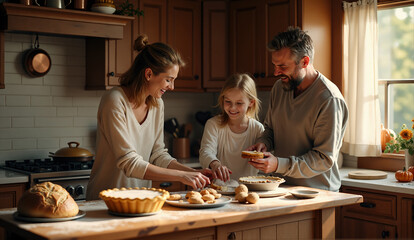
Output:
[[245, 34], [277, 16], [215, 44], [184, 35], [154, 21]]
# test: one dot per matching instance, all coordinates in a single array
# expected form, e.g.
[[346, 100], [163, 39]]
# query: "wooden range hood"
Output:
[[21, 18]]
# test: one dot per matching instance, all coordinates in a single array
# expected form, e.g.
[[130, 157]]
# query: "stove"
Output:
[[71, 175]]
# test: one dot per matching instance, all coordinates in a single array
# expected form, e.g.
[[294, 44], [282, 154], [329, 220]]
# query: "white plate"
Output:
[[304, 193], [17, 216], [219, 202], [275, 193], [133, 214], [103, 9], [257, 184]]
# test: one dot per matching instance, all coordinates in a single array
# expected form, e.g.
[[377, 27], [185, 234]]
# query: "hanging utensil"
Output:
[[36, 61]]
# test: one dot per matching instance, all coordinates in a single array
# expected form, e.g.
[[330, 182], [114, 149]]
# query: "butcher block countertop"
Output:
[[99, 224]]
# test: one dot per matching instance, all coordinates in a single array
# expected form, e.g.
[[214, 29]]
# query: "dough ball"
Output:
[[204, 192], [174, 197], [192, 194], [217, 195], [208, 197], [212, 190], [195, 200], [252, 197], [241, 188], [241, 197]]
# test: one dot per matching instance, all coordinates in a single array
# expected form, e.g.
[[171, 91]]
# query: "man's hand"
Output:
[[268, 164], [194, 179], [219, 171], [260, 147]]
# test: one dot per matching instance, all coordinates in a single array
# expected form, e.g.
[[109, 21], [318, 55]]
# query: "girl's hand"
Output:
[[207, 172], [195, 179], [268, 164], [219, 171]]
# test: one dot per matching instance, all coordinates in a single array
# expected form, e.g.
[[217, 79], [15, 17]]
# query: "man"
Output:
[[306, 119]]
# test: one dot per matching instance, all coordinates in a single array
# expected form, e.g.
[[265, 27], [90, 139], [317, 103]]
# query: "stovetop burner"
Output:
[[47, 165]]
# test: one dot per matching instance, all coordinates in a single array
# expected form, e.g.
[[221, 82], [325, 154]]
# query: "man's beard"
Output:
[[292, 84]]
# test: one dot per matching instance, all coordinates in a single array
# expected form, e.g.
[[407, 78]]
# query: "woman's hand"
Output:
[[268, 164], [207, 172], [219, 171], [260, 147], [195, 179]]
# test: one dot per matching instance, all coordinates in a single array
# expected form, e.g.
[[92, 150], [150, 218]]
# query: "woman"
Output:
[[130, 147]]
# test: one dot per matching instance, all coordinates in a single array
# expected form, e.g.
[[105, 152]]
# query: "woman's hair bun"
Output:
[[140, 42]]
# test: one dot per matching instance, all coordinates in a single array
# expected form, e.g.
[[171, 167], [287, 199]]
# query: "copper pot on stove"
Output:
[[72, 153]]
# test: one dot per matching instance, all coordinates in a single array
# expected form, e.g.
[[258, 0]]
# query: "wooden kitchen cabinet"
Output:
[[107, 59], [252, 26], [381, 215], [9, 196], [215, 44], [254, 23]]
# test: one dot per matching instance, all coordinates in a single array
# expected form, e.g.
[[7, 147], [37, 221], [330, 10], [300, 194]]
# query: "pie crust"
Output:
[[261, 179], [134, 200]]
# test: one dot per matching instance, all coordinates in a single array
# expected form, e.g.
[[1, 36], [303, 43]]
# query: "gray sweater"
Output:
[[306, 133]]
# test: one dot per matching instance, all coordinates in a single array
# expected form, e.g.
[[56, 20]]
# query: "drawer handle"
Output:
[[231, 236], [166, 184], [385, 234], [367, 205]]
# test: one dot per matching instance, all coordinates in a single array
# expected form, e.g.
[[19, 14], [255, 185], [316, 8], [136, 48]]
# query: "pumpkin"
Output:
[[404, 175], [386, 136], [411, 169]]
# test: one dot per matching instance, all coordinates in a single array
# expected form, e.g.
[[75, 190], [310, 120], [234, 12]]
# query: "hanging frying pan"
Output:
[[36, 61]]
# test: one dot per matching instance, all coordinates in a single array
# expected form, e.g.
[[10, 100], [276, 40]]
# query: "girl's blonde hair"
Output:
[[159, 57], [247, 85]]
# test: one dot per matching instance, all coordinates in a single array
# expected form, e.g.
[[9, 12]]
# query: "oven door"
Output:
[[75, 185]]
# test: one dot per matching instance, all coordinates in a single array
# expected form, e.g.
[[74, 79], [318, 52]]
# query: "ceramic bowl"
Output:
[[103, 9]]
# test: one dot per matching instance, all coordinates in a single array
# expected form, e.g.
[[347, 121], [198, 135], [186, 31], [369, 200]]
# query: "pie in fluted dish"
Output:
[[134, 200]]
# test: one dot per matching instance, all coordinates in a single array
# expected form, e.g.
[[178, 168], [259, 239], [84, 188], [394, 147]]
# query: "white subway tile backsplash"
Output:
[[20, 122], [13, 46], [66, 111], [62, 101], [27, 80], [5, 122], [73, 90], [12, 57], [5, 144], [24, 143], [48, 143], [76, 60], [41, 101], [87, 111], [85, 122], [14, 101], [27, 111], [12, 79], [54, 122], [21, 37], [86, 101], [58, 59], [2, 101], [30, 90], [64, 142]]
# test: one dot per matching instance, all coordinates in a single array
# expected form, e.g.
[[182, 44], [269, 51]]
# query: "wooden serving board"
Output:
[[367, 174]]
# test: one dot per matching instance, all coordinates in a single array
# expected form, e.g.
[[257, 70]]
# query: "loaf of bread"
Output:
[[47, 200]]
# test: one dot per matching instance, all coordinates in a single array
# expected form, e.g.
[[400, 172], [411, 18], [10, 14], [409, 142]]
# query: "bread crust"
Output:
[[47, 200], [252, 154]]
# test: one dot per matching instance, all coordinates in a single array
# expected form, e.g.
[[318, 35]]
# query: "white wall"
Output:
[[41, 115]]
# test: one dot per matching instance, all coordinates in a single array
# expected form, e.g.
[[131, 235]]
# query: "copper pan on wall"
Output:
[[36, 61]]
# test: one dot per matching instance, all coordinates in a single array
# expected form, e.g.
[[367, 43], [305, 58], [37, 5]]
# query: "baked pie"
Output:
[[134, 200]]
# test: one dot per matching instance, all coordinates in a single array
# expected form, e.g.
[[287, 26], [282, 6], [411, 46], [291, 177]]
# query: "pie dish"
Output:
[[304, 193], [134, 200], [261, 183]]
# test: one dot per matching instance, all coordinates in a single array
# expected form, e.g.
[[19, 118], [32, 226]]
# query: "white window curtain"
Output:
[[363, 134]]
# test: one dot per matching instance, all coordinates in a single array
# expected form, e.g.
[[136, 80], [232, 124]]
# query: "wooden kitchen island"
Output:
[[271, 218]]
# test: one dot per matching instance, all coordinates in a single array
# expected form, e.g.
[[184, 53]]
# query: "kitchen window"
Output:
[[396, 64]]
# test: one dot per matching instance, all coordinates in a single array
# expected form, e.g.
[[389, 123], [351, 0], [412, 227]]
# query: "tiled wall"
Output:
[[41, 115]]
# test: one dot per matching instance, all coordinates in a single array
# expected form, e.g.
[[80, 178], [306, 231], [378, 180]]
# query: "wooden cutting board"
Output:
[[367, 174]]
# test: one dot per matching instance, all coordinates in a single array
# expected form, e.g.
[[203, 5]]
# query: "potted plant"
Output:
[[404, 141], [127, 8]]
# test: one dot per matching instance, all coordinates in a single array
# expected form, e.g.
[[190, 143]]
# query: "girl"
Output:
[[130, 140], [233, 130]]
